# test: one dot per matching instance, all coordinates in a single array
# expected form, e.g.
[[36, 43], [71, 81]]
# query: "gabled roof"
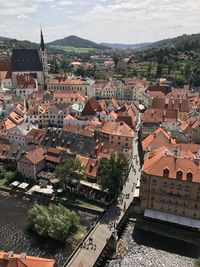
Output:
[[117, 128], [102, 105], [28, 261], [157, 139], [90, 107], [5, 69], [158, 88], [160, 115], [25, 81], [7, 124], [35, 156], [26, 60], [36, 134], [163, 158]]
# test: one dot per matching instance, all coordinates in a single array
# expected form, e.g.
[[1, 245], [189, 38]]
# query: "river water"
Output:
[[15, 235], [147, 249]]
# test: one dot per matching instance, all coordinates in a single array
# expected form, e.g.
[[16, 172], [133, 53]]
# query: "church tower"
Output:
[[43, 56]]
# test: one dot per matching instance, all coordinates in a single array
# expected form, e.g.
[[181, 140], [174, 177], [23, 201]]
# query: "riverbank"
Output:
[[152, 250], [167, 230]]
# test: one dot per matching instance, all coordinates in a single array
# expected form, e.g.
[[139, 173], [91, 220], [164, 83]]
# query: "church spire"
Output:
[[42, 45]]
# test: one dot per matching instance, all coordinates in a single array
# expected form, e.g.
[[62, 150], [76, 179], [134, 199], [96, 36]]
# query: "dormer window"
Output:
[[166, 173], [179, 175], [189, 177]]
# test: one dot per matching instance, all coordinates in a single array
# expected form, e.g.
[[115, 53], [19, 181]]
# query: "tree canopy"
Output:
[[68, 171], [111, 173], [56, 222]]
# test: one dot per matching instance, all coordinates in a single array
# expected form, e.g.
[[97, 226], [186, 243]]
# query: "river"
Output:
[[15, 235], [145, 249], [148, 249]]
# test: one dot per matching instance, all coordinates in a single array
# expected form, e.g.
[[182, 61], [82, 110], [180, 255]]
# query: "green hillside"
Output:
[[177, 59], [75, 41]]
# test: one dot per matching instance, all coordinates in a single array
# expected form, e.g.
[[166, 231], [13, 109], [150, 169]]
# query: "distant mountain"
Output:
[[126, 46], [75, 41], [19, 44], [183, 40]]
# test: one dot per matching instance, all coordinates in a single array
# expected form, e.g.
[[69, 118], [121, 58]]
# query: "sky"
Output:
[[120, 21]]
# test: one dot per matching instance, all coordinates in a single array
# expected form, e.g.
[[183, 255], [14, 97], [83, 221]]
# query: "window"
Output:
[[179, 175], [166, 173], [189, 177]]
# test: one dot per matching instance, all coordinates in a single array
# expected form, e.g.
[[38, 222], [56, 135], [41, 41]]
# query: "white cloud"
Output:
[[22, 16], [102, 20], [65, 2], [13, 7]]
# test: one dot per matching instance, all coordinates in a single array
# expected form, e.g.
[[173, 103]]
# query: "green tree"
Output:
[[69, 170], [80, 72], [170, 66], [56, 222], [188, 71], [116, 59], [159, 70], [111, 173]]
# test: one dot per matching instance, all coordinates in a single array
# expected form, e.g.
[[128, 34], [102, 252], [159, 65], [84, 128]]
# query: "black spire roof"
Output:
[[42, 45], [26, 60]]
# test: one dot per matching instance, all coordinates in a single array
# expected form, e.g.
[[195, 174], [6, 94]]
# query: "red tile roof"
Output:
[[90, 107], [117, 128], [25, 81], [61, 80], [28, 261], [157, 139], [68, 97], [163, 158], [35, 156], [160, 115]]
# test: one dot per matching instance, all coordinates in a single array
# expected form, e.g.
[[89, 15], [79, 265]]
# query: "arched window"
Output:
[[179, 175], [166, 173], [189, 177]]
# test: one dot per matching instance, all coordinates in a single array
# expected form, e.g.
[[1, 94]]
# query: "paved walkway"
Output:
[[87, 255]]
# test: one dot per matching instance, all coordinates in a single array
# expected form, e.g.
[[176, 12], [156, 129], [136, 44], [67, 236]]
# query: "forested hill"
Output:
[[18, 44], [183, 43], [177, 58], [75, 41]]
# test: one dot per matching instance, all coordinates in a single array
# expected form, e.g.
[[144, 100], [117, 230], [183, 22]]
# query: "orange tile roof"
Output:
[[4, 148], [163, 158], [68, 97], [7, 124], [114, 102], [190, 125], [69, 117], [35, 156], [36, 134], [28, 261], [16, 118], [91, 168], [5, 75], [82, 131], [54, 155], [25, 81], [117, 128], [61, 80], [160, 115], [157, 139], [102, 105]]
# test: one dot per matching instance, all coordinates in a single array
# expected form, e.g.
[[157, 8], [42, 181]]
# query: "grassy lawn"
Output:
[[88, 203]]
